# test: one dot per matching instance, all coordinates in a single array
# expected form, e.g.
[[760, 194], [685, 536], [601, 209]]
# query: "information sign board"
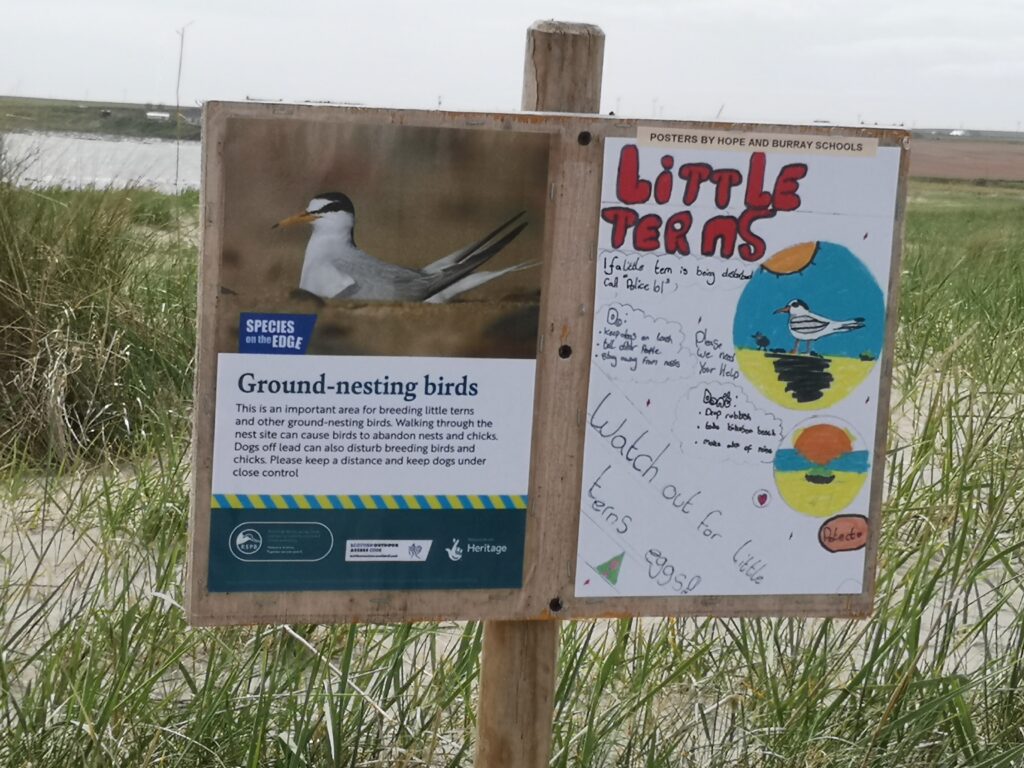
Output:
[[509, 366]]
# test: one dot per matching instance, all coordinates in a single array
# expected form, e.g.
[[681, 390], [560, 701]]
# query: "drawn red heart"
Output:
[[762, 498]]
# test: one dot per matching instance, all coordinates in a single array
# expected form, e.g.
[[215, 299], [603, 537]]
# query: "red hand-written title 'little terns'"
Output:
[[652, 232]]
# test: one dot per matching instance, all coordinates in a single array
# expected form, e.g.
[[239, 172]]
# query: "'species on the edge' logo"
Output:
[[267, 333]]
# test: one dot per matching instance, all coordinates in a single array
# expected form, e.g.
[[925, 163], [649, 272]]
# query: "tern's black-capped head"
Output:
[[334, 213], [330, 202], [329, 212], [795, 304]]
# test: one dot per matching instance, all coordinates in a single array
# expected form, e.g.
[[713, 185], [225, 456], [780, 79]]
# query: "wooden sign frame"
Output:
[[560, 408]]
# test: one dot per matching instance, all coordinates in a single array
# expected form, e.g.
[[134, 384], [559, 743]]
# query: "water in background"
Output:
[[77, 160]]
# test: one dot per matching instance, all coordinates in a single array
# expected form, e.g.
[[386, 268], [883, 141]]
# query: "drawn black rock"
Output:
[[806, 378]]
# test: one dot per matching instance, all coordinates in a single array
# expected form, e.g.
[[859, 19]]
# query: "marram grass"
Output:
[[98, 667], [97, 305]]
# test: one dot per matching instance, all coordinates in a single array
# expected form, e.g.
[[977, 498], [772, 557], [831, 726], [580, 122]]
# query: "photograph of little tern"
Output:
[[374, 279], [362, 225]]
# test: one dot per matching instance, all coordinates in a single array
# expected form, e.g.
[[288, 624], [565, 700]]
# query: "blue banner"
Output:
[[274, 334], [273, 550]]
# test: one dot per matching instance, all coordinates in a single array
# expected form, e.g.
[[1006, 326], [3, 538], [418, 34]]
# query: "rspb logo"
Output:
[[248, 541]]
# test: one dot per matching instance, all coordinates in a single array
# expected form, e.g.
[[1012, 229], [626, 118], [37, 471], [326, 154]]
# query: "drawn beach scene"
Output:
[[810, 325], [821, 467]]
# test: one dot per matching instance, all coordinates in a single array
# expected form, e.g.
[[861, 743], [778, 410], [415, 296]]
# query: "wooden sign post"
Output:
[[563, 69]]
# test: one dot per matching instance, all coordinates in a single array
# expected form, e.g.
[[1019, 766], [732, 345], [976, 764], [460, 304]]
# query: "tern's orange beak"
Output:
[[781, 310], [299, 218]]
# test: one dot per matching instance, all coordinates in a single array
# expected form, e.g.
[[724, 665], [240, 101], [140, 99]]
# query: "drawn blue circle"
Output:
[[836, 285]]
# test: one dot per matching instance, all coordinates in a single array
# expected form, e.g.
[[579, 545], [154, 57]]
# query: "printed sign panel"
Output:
[[370, 348], [740, 317], [520, 366]]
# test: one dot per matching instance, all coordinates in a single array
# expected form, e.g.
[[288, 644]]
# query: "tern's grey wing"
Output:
[[378, 280]]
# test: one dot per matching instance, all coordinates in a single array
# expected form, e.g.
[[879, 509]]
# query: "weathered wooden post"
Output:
[[563, 67], [562, 73]]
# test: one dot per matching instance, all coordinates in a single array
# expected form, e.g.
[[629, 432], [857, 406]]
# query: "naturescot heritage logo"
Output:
[[485, 547], [475, 547]]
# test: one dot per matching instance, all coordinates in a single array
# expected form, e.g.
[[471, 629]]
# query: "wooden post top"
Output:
[[563, 65], [552, 27]]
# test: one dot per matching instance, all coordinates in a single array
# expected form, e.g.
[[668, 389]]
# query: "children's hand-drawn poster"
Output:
[[739, 329]]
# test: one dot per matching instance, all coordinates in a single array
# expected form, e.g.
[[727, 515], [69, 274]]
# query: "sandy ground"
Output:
[[964, 159]]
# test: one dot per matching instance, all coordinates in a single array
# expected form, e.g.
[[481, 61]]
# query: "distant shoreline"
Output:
[[108, 119], [77, 160], [935, 153]]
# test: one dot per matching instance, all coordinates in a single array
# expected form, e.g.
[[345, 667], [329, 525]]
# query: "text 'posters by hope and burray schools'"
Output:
[[739, 330]]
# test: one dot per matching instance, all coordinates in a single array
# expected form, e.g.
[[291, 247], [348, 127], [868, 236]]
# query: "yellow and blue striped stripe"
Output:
[[365, 501]]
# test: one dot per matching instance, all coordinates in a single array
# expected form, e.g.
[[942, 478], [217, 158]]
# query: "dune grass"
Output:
[[98, 667], [97, 303]]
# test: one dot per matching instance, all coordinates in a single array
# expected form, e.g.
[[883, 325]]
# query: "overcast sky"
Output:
[[921, 63]]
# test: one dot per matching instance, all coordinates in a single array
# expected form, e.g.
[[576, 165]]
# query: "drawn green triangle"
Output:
[[609, 569]]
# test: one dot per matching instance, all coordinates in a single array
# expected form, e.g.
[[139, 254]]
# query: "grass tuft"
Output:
[[97, 303]]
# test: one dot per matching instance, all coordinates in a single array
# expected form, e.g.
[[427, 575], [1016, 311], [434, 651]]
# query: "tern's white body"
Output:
[[335, 267], [806, 326]]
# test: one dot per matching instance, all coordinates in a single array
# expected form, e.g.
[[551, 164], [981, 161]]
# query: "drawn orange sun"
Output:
[[791, 260], [823, 443]]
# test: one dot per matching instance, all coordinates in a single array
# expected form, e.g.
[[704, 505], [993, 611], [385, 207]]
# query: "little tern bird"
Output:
[[335, 267], [807, 326]]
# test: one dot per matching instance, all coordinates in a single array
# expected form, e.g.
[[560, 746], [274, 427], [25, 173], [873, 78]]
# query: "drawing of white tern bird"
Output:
[[335, 267], [807, 326]]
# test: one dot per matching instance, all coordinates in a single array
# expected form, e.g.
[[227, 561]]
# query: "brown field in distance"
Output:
[[966, 159]]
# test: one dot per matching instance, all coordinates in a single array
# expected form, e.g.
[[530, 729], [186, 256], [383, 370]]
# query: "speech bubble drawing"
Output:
[[844, 533], [716, 357], [631, 344], [717, 421]]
